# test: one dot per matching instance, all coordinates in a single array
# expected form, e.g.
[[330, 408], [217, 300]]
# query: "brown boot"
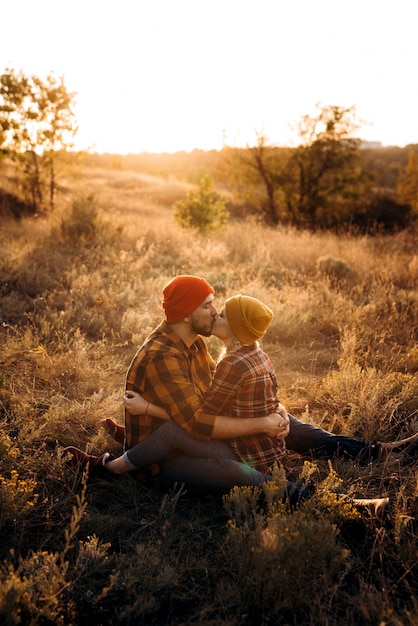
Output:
[[80, 459]]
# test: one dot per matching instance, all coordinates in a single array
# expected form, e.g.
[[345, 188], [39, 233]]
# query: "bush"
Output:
[[82, 225], [285, 565], [13, 206], [204, 209], [383, 213]]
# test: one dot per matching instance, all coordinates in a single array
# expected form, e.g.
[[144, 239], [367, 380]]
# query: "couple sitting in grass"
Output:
[[212, 427]]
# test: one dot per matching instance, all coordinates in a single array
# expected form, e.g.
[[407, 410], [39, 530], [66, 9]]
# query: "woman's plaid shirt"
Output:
[[244, 385]]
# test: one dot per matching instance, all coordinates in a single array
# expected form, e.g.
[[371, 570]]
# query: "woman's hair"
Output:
[[232, 346]]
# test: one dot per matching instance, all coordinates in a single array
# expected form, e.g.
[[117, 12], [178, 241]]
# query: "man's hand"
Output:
[[273, 425], [278, 424], [285, 427], [282, 411]]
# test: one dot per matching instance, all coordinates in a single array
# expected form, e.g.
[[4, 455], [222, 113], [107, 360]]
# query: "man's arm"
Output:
[[273, 425]]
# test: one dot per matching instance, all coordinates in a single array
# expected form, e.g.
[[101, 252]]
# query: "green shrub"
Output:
[[204, 209]]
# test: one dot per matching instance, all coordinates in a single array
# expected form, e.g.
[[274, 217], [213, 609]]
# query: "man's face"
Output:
[[203, 318]]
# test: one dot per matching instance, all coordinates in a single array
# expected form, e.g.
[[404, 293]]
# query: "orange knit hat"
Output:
[[182, 295], [247, 317]]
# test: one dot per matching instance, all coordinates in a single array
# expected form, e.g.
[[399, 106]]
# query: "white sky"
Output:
[[168, 75]]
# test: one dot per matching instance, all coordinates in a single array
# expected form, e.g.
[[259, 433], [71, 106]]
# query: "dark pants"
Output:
[[307, 439]]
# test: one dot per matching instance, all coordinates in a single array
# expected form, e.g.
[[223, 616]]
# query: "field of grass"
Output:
[[80, 290]]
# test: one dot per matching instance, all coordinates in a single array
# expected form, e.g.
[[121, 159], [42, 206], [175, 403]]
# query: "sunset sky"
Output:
[[168, 75]]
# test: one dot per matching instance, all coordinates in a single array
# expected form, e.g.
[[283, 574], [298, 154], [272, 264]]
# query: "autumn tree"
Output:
[[37, 123], [326, 167], [314, 184]]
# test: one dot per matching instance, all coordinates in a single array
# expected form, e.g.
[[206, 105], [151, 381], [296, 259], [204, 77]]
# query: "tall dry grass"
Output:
[[80, 290]]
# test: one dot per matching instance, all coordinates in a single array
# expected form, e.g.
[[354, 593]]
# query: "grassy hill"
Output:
[[80, 290]]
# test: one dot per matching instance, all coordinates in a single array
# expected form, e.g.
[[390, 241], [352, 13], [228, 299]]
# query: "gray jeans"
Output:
[[203, 467]]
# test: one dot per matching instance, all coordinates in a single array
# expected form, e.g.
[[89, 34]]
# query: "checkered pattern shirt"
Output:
[[244, 385], [168, 373]]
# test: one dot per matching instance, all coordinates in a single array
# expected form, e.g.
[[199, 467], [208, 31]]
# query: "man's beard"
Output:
[[204, 331]]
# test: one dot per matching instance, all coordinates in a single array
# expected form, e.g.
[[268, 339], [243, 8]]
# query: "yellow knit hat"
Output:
[[248, 318]]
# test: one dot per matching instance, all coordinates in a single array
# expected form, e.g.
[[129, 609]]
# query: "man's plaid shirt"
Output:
[[168, 373], [244, 385]]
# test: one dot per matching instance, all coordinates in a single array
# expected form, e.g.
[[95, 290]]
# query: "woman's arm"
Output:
[[135, 404]]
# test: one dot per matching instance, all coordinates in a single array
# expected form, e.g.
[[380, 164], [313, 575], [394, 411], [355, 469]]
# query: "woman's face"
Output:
[[221, 327]]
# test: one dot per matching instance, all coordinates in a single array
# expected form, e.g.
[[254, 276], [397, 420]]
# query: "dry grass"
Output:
[[80, 290]]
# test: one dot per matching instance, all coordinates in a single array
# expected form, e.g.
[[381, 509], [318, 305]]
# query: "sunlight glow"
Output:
[[173, 75]]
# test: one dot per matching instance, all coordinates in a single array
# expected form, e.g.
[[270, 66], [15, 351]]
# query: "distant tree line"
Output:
[[329, 181]]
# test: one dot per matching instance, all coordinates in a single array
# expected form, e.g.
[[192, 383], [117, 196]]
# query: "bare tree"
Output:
[[256, 174]]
